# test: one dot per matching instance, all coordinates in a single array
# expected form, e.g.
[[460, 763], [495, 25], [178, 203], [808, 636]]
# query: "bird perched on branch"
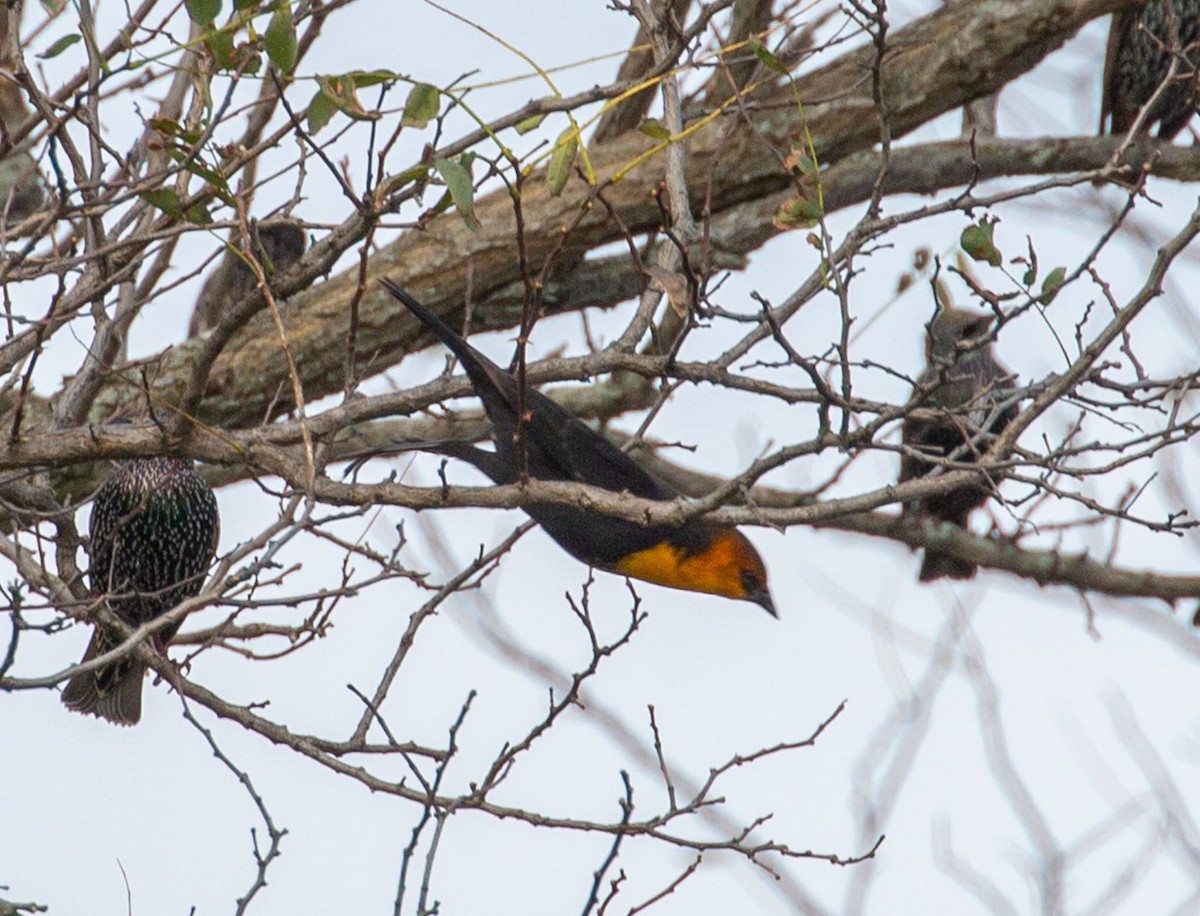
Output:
[[698, 555], [153, 535], [1143, 42], [973, 393], [277, 245]]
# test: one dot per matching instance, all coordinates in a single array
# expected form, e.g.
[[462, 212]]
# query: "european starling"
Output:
[[277, 245], [1142, 44], [154, 533], [970, 386]]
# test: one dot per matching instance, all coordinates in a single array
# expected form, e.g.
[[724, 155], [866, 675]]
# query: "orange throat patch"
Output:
[[717, 570]]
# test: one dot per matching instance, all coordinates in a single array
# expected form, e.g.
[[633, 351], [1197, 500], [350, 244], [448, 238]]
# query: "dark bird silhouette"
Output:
[[153, 535], [1142, 44], [23, 189], [971, 389], [698, 555], [277, 245]]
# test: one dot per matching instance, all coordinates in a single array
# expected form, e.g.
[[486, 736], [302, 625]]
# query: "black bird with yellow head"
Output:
[[698, 555]]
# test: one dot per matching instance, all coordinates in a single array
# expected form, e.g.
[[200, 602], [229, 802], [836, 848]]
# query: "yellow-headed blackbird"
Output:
[[698, 555], [1143, 43], [153, 534], [971, 387]]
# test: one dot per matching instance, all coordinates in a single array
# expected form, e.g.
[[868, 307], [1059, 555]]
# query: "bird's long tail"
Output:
[[478, 366], [113, 692]]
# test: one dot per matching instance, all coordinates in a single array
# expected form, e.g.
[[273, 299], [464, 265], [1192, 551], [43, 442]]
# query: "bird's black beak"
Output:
[[762, 598]]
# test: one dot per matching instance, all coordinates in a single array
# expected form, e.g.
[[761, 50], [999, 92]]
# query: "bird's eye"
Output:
[[750, 582]]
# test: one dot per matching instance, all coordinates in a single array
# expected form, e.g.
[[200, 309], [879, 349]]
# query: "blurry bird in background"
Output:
[[1143, 43], [971, 387], [23, 189], [277, 245], [698, 555], [153, 535]]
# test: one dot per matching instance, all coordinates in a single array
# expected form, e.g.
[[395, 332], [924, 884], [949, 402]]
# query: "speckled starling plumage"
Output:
[[1142, 43], [153, 535], [970, 386]]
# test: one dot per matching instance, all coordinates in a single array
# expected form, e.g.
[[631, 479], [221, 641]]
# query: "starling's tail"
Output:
[[941, 565], [113, 692]]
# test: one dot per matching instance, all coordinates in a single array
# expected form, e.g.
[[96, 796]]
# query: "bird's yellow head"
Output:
[[727, 565]]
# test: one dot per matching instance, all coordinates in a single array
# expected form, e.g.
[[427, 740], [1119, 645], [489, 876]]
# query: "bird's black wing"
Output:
[[595, 460]]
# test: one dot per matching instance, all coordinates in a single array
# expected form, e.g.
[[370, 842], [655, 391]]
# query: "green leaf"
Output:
[[202, 12], [561, 159], [59, 46], [803, 164], [220, 45], [408, 176], [768, 59], [166, 127], [1051, 284], [54, 7], [212, 178], [240, 5], [797, 213], [421, 107], [320, 110], [457, 176], [164, 199], [198, 215], [812, 210], [341, 92], [364, 78], [652, 128], [977, 242], [530, 123], [279, 41], [249, 61]]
